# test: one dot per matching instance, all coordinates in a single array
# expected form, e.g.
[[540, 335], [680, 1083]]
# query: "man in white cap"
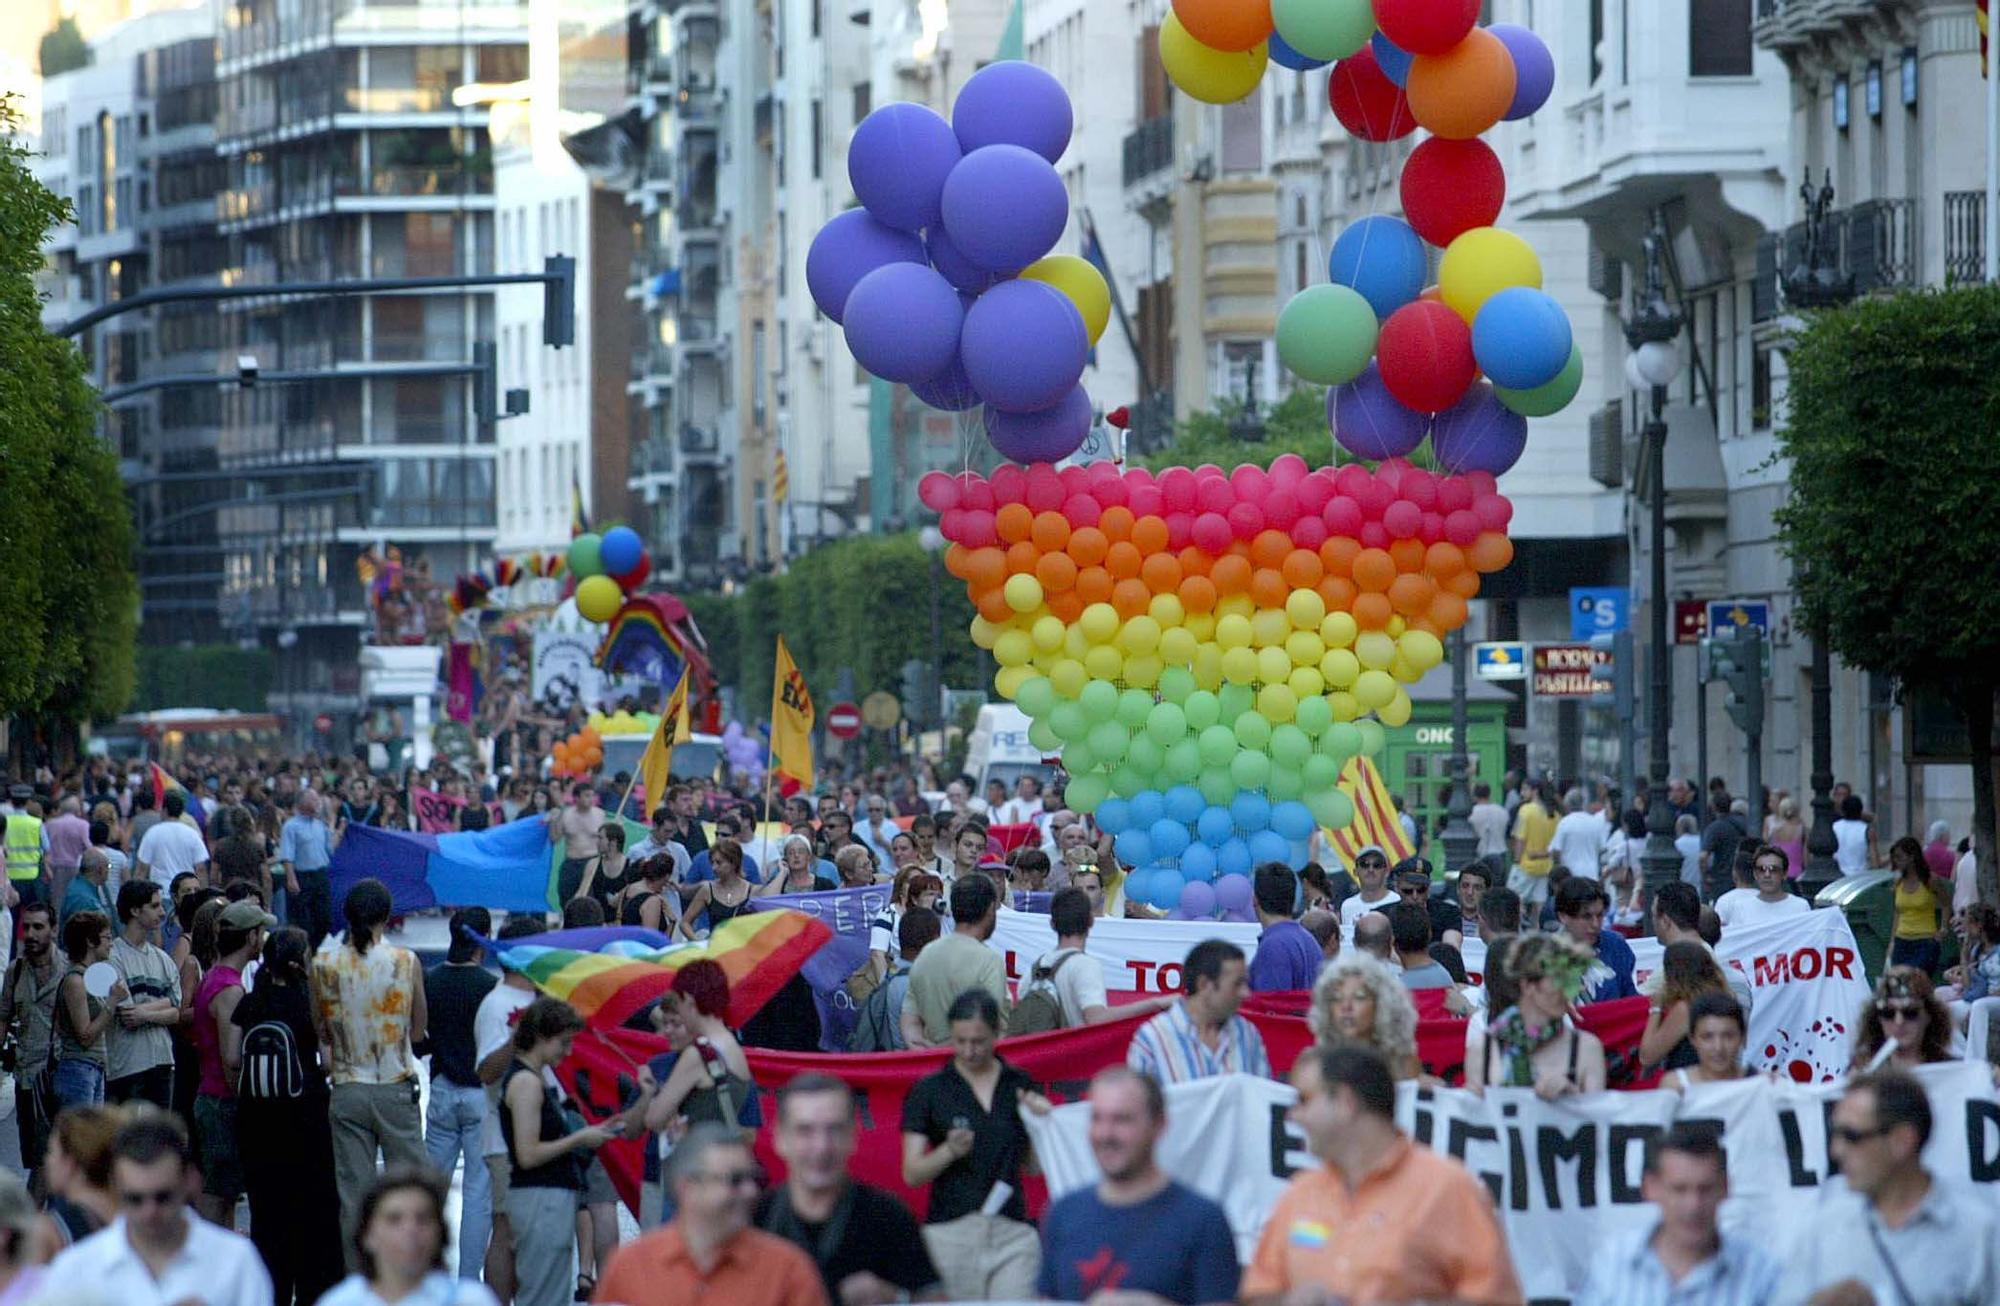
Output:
[[1371, 871]]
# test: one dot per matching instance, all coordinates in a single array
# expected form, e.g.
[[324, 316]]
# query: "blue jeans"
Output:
[[451, 1131], [79, 1083]]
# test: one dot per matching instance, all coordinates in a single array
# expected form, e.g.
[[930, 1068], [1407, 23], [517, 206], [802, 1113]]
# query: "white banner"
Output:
[[1565, 1176], [1138, 956]]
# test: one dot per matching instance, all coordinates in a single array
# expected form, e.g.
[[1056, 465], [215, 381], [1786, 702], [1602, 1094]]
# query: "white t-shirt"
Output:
[[1851, 846], [1689, 846], [1965, 882], [1079, 985], [493, 1029], [1749, 909], [1489, 822], [170, 848], [1579, 839], [1354, 909]]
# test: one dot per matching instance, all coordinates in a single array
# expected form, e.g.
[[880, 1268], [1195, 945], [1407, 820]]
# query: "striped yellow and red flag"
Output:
[[1985, 17], [1375, 819], [781, 479]]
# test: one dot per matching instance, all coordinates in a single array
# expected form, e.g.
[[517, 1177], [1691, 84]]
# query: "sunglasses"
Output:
[[1900, 1011], [1371, 864], [154, 1197], [1850, 1135], [1775, 868]]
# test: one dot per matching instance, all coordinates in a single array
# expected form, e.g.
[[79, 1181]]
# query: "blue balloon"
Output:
[[1534, 69], [898, 159], [1382, 258], [956, 267], [950, 391], [1234, 858], [1371, 423], [1047, 436], [1214, 826], [1138, 883], [848, 248], [1169, 838], [1269, 846], [1185, 804], [621, 550], [1250, 811], [1283, 55], [1293, 820], [1393, 59], [1198, 863], [1165, 887], [1024, 346], [1478, 434], [1004, 207], [1113, 815], [1014, 102], [1521, 338], [1135, 846], [1148, 806], [903, 321]]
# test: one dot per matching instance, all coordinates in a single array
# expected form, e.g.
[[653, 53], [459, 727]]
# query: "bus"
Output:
[[167, 736]]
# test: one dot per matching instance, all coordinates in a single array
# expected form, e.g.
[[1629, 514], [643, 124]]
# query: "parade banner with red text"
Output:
[[437, 813]]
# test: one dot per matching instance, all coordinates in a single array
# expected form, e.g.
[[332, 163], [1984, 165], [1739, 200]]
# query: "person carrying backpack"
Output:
[[1065, 987], [878, 1025], [281, 1126]]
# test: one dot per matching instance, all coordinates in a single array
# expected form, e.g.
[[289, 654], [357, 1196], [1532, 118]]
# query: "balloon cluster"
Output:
[[623, 722], [1212, 642], [474, 589], [579, 755], [607, 567], [943, 280]]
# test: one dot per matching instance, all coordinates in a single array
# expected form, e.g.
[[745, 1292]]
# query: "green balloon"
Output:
[[1183, 762], [1176, 683], [1035, 697], [1203, 710], [1217, 745], [1069, 722], [1315, 714], [1109, 740], [1127, 783], [1250, 770], [1545, 400], [1099, 700], [1146, 755], [1319, 772], [586, 555], [1324, 29], [1167, 724], [1042, 737], [1135, 708], [1235, 701], [1085, 792], [1217, 788], [1373, 736], [1289, 745], [1331, 808], [1326, 334], [1253, 730], [1285, 784], [1077, 758]]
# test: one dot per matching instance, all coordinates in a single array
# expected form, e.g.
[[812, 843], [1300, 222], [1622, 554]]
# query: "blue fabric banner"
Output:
[[505, 868]]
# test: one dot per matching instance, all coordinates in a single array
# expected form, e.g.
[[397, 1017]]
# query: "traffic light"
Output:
[[559, 300], [920, 698], [485, 382], [1736, 657], [1616, 674]]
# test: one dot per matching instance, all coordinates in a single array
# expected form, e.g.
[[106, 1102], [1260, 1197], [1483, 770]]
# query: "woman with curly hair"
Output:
[[1358, 1000], [1533, 1043], [1905, 1016]]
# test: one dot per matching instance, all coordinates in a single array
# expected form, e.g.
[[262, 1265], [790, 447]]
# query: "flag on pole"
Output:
[[791, 718], [781, 479], [579, 516], [1375, 818], [655, 764], [1985, 17], [164, 784]]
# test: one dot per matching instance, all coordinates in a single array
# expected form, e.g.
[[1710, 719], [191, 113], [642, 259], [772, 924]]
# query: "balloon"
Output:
[[1004, 207], [1382, 258], [1134, 845], [1550, 398], [1227, 25], [897, 160], [1250, 812], [1169, 837], [949, 391], [1024, 346], [1465, 90], [1197, 897], [1392, 58], [1449, 187], [1210, 75], [598, 598], [1478, 434], [586, 557], [954, 266], [1365, 100], [1426, 26], [1087, 793], [1286, 57], [1371, 423], [1081, 283], [1480, 264], [848, 248], [1292, 820], [1269, 846], [902, 323], [1113, 814], [1324, 29], [1426, 357], [1166, 887], [1534, 69], [620, 550], [1012, 102], [1232, 891], [1148, 807], [1044, 436], [1521, 338], [1326, 334]]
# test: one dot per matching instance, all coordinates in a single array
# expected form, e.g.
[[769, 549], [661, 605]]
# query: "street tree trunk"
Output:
[[1976, 702]]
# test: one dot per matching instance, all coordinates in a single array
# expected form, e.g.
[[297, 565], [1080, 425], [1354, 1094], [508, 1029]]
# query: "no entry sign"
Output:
[[843, 721]]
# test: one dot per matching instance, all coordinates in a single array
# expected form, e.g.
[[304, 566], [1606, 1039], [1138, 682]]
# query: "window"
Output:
[[1840, 113], [818, 113], [1909, 77], [862, 101], [1760, 389], [1719, 38], [1872, 89]]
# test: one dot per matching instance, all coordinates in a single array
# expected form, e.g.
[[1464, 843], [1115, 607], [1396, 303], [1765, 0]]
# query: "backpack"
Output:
[[272, 1071], [876, 1024], [1040, 1008]]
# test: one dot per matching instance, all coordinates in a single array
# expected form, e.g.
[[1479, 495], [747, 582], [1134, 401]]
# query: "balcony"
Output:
[[1964, 238], [658, 173], [700, 444], [1875, 243], [652, 459], [1149, 149], [1791, 24], [414, 181]]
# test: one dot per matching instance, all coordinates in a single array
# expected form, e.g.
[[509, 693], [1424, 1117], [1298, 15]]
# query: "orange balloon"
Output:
[[1093, 585], [1338, 553], [1338, 591], [1465, 584], [1123, 559], [1050, 531], [1268, 588], [1231, 574], [1372, 611], [1408, 554], [1433, 294], [955, 558], [1087, 545], [1374, 569], [1013, 521], [1197, 594], [1150, 534], [1443, 559], [985, 568], [1240, 548], [1056, 572], [1161, 572], [1303, 569], [1448, 612], [1465, 90], [1021, 558], [1131, 597], [1194, 562], [1411, 593], [1269, 548], [1490, 552], [1225, 24], [1428, 626], [993, 606], [1116, 523], [1066, 606]]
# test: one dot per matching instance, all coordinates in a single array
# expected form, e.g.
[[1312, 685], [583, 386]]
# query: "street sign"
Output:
[[881, 710], [1736, 612], [1569, 670], [1598, 610], [1500, 660], [1690, 620], [843, 721]]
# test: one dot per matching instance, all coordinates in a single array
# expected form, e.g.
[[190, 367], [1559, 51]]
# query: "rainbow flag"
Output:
[[164, 784], [611, 974], [1375, 819]]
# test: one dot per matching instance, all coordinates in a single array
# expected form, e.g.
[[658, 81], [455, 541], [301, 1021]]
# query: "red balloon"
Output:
[[1375, 498], [1454, 492], [636, 577], [1342, 516], [1366, 101], [1245, 520], [1082, 510], [1177, 489], [937, 491], [1450, 187], [1425, 353], [1426, 26], [1461, 527]]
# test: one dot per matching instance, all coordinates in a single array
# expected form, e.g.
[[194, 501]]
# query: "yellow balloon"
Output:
[[1396, 711], [1305, 649], [1075, 642], [1143, 671], [1374, 690], [1167, 610], [1023, 593], [1273, 666], [1068, 677], [598, 598], [1178, 646], [1099, 623], [1482, 263], [1404, 670], [1345, 708], [1340, 668], [1104, 663], [1014, 649], [1210, 75], [1269, 628], [1277, 702], [985, 632], [1207, 666], [1396, 627], [1306, 609], [1235, 605], [1047, 632], [1306, 682], [1201, 625], [1233, 632], [1423, 649], [1339, 630], [1081, 283], [1239, 666], [1375, 649], [1010, 679], [1140, 636]]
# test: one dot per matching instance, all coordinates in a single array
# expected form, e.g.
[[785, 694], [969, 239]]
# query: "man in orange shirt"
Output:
[[710, 1252], [1385, 1220]]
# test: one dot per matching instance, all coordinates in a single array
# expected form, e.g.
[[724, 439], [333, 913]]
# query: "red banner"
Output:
[[1062, 1061]]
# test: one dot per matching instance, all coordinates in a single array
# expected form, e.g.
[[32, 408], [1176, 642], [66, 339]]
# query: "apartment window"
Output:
[[1872, 90], [1299, 278], [1840, 108], [1760, 388], [1719, 38], [1909, 77], [863, 101], [818, 113]]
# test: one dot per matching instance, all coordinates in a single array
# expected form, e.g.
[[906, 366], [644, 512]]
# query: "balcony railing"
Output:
[[652, 457], [411, 180], [1874, 242], [1149, 149], [1964, 237]]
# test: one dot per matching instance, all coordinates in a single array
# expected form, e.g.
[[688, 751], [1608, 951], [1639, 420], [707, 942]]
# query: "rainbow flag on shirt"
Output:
[[164, 784]]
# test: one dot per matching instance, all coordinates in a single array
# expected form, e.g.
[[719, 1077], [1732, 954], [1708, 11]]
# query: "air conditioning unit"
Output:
[[1607, 445], [1606, 274]]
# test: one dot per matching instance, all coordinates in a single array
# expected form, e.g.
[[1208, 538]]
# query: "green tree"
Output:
[[63, 49], [1890, 526], [1295, 424]]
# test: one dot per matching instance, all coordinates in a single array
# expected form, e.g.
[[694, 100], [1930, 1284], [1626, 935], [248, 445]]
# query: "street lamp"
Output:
[[932, 540], [1461, 841], [1652, 366]]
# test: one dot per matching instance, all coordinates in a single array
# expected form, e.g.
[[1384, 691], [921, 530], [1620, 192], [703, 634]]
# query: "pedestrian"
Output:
[[655, 1202], [1683, 1255], [545, 1181], [27, 1015], [1382, 1219], [711, 1251], [956, 963], [729, 824], [1856, 847], [605, 878], [722, 899], [455, 1120], [399, 1246], [493, 1042], [1921, 911], [877, 828], [170, 847], [139, 1058], [21, 831], [1719, 839], [1202, 1034], [1288, 959], [1687, 970], [80, 1200], [1410, 936], [710, 1085], [1581, 904], [239, 939], [575, 827], [81, 1017], [1719, 1031], [1580, 836], [1136, 1230], [1371, 872], [1769, 898], [864, 1242], [1903, 1022], [799, 871], [154, 1253], [87, 889], [1788, 835], [963, 1137], [1374, 936], [1474, 881], [1535, 822], [1531, 1042], [912, 887], [648, 900], [369, 1003], [1359, 1000]]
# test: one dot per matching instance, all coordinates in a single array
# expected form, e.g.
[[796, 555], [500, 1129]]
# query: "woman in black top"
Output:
[[725, 897], [645, 900], [962, 1134], [546, 1168]]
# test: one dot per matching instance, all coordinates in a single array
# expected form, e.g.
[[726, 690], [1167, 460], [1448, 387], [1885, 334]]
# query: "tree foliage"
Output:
[[67, 588], [1890, 526], [1295, 424], [213, 675], [63, 49]]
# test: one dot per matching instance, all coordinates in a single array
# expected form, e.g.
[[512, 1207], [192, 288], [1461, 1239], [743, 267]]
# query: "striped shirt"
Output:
[[1626, 1272], [1168, 1048]]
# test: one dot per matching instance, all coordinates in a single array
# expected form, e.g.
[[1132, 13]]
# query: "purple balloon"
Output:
[[1534, 69], [1004, 207], [1198, 899], [1042, 437], [956, 267], [898, 160], [950, 391], [903, 322], [1024, 346], [848, 248], [1478, 434], [1013, 103], [1369, 422], [1232, 893]]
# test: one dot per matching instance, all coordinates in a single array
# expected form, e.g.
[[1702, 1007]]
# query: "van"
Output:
[[999, 749]]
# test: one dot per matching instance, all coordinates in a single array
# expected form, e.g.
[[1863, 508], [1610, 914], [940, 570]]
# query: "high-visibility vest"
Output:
[[24, 847]]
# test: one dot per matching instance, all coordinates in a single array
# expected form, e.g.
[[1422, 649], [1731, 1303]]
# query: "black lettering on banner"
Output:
[[1459, 1133], [1557, 1149], [1797, 1172], [1423, 1123], [1517, 1158], [1282, 1144], [1982, 1140], [1621, 1145]]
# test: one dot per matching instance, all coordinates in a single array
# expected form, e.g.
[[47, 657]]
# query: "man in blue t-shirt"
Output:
[[729, 825], [1136, 1231], [1581, 903]]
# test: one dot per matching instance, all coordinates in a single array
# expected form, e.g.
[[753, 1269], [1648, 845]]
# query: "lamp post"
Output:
[[1652, 366], [1461, 842]]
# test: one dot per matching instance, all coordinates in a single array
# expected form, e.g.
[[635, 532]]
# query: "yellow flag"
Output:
[[656, 763], [1376, 820], [791, 718]]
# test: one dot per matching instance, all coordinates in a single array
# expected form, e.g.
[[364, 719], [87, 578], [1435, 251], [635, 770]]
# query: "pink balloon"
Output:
[[1350, 478], [1281, 506], [937, 491], [1250, 482], [1403, 519], [951, 524], [1287, 469], [1420, 488], [1075, 480], [1180, 529], [1494, 511], [980, 532], [1373, 535], [1081, 510], [1145, 500], [1314, 492], [1177, 489], [1482, 482], [1375, 499], [1454, 492], [975, 492], [1044, 491], [1107, 486], [1211, 532], [1214, 494], [1138, 476], [1462, 527], [1010, 483], [1433, 528], [1245, 520], [1308, 533], [1342, 516]]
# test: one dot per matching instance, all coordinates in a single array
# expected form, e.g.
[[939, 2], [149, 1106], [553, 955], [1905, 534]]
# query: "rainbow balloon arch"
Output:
[[1208, 650]]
